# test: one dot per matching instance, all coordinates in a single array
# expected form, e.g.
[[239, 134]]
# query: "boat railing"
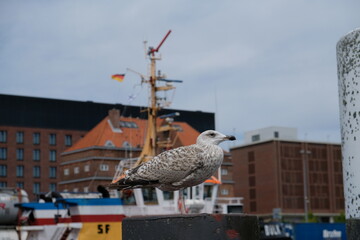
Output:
[[80, 195], [230, 200]]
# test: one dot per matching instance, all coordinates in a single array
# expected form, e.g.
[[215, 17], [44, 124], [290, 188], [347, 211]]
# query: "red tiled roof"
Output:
[[102, 133], [188, 134]]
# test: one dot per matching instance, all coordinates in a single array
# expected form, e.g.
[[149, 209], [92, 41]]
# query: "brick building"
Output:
[[93, 160], [226, 189], [29, 157], [270, 175], [35, 131]]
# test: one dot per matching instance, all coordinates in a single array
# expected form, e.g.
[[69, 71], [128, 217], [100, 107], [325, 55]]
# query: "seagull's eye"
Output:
[[212, 134]]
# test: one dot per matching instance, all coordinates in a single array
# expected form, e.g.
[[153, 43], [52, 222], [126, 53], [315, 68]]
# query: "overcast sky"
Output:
[[254, 63]]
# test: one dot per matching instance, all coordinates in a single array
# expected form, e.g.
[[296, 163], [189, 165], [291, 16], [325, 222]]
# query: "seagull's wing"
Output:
[[170, 166], [166, 168]]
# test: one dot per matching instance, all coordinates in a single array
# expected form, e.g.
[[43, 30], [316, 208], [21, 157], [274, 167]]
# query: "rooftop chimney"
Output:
[[114, 117]]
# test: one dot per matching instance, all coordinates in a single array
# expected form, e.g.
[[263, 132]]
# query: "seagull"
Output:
[[178, 168]]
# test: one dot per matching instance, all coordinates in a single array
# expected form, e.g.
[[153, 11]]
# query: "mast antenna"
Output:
[[145, 48], [152, 50]]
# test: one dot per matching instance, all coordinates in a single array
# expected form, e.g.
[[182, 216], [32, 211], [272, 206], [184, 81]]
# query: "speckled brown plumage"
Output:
[[180, 167]]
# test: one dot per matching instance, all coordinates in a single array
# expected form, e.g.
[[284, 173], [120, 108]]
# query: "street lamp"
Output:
[[305, 154]]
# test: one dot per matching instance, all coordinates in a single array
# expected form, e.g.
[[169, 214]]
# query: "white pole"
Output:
[[305, 159], [348, 59]]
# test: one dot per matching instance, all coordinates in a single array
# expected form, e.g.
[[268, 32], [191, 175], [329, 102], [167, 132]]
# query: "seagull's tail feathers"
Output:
[[124, 183]]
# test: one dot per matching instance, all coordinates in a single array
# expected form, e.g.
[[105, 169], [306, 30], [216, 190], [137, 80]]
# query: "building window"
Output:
[[68, 140], [36, 138], [252, 206], [255, 138], [276, 134], [36, 171], [3, 136], [52, 139], [251, 168], [20, 137], [52, 155], [36, 188], [3, 170], [251, 156], [76, 170], [52, 172], [224, 192], [3, 153], [86, 189], [178, 128], [224, 171], [20, 154], [66, 171], [52, 187], [75, 190], [109, 143], [252, 193], [252, 181], [104, 167], [20, 185], [36, 154], [20, 171], [150, 196], [126, 144], [3, 184], [126, 124], [87, 168]]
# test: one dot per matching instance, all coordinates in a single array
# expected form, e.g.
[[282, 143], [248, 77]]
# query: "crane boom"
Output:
[[153, 50]]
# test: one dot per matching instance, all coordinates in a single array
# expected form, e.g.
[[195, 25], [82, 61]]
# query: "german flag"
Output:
[[118, 77]]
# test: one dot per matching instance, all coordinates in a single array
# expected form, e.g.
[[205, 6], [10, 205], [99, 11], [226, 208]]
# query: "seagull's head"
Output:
[[213, 137]]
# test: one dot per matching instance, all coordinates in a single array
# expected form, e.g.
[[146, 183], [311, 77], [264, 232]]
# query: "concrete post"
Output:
[[348, 59], [192, 226]]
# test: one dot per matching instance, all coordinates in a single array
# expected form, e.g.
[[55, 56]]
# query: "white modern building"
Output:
[[270, 133]]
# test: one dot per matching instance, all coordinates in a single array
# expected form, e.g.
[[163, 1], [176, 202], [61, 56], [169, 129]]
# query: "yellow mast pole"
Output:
[[154, 108], [150, 141], [149, 149], [152, 111]]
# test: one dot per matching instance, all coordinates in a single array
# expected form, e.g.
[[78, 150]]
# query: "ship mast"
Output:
[[149, 149], [151, 143]]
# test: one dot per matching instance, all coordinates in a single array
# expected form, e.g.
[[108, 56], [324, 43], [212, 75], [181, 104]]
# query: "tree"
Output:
[[340, 218], [312, 218]]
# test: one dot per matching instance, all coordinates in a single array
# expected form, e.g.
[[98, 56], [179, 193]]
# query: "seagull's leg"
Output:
[[180, 207], [181, 201], [184, 206]]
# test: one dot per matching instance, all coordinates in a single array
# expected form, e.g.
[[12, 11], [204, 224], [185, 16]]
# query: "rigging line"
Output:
[[134, 94], [132, 97], [173, 95]]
